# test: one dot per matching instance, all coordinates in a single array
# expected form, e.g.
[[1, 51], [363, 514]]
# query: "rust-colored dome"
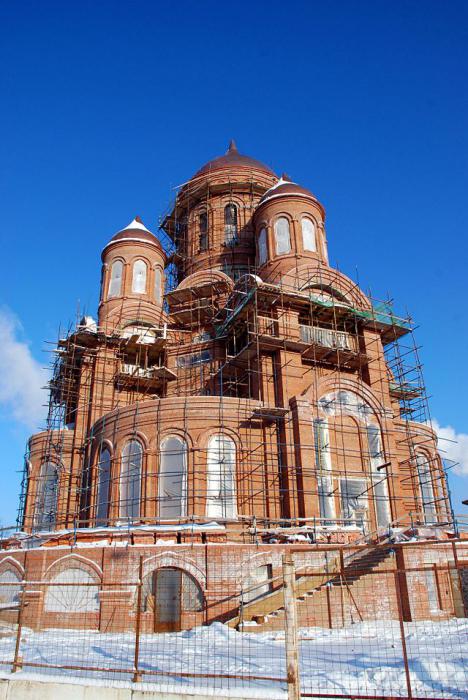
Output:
[[285, 187], [233, 159]]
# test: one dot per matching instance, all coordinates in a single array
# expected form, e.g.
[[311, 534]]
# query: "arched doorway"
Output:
[[169, 593]]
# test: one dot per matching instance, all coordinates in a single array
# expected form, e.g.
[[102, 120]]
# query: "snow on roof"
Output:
[[282, 181], [285, 187], [137, 223]]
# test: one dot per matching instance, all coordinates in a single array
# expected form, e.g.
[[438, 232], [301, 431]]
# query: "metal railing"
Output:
[[136, 371], [336, 340]]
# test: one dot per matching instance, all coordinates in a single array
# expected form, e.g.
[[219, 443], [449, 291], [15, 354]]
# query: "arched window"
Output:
[[426, 488], [282, 237], [115, 282], [230, 224], [262, 247], [308, 234], [46, 498], [103, 484], [130, 479], [324, 471], [203, 223], [172, 477], [221, 475], [10, 586], [139, 277], [379, 477], [158, 284], [76, 595]]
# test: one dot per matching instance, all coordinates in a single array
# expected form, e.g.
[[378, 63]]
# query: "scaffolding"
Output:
[[252, 348]]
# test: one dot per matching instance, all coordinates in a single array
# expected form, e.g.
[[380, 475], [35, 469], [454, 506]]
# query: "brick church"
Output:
[[235, 398]]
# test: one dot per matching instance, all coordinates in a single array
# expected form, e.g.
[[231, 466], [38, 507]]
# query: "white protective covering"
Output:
[[69, 598], [221, 490], [282, 236], [139, 277], [172, 478]]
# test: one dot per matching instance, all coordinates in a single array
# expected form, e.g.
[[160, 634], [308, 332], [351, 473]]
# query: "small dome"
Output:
[[233, 159], [136, 230], [285, 187]]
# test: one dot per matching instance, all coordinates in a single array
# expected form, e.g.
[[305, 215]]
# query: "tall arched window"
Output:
[[47, 496], [262, 247], [221, 477], [230, 224], [324, 470], [139, 277], [203, 223], [172, 477], [103, 484], [130, 479], [115, 282], [308, 234], [11, 586], [282, 236], [158, 284], [379, 477], [426, 488]]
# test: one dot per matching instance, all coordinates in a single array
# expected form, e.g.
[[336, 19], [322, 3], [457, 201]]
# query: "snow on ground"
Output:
[[364, 659]]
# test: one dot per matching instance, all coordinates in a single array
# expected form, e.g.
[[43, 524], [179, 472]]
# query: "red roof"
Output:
[[233, 159], [136, 230], [285, 187]]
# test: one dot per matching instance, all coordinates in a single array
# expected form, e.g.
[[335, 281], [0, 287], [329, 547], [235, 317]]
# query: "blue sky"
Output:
[[105, 107]]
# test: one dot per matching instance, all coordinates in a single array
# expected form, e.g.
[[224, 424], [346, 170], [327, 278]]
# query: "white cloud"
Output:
[[21, 377], [453, 446]]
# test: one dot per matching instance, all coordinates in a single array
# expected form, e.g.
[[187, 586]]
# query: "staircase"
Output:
[[322, 599]]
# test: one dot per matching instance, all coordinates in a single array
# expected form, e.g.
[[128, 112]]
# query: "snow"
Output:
[[280, 182], [135, 224], [365, 658], [35, 540], [125, 528]]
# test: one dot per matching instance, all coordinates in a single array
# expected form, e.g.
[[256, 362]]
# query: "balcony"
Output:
[[337, 340], [326, 345], [266, 326], [144, 335], [144, 377], [194, 311], [313, 342]]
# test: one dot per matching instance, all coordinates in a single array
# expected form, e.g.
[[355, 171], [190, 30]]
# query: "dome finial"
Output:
[[232, 147], [285, 177]]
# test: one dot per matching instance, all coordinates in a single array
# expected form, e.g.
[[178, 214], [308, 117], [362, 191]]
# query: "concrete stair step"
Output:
[[330, 591]]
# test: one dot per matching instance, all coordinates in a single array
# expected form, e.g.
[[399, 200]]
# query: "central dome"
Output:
[[233, 159]]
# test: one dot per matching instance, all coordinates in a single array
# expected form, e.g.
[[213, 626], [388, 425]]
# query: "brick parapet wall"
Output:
[[222, 570]]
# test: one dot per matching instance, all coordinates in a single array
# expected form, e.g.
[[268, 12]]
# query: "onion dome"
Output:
[[286, 188], [233, 159], [135, 231]]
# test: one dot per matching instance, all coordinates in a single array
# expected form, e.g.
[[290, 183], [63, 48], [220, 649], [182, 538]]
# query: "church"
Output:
[[235, 398]]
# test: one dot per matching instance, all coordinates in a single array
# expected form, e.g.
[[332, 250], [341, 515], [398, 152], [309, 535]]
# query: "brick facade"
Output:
[[233, 377]]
